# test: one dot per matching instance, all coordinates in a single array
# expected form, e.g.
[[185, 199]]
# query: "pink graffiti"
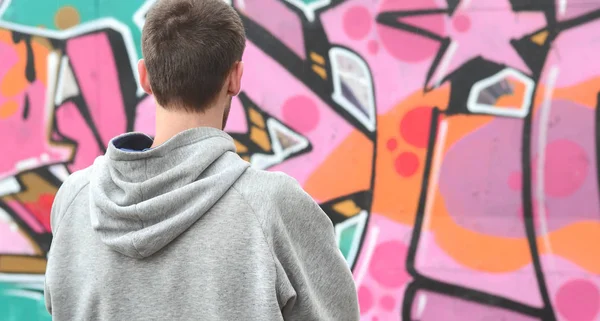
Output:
[[324, 136], [93, 63], [72, 124], [12, 240], [28, 217], [380, 272], [29, 144]]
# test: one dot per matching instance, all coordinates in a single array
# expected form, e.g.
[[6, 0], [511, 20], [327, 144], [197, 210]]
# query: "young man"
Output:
[[179, 227]]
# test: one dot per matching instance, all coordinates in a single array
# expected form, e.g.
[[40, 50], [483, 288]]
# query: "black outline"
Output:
[[421, 282], [127, 80], [527, 200], [445, 43], [360, 198], [244, 138], [41, 240], [297, 67], [577, 21], [301, 69], [420, 215], [85, 113], [462, 293], [78, 100], [317, 12], [130, 101], [26, 107], [523, 49], [390, 19]]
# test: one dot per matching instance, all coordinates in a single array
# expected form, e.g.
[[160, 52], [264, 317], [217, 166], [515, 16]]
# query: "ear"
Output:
[[235, 79], [144, 81]]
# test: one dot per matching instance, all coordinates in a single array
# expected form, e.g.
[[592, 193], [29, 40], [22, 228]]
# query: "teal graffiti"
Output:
[[18, 303], [44, 12], [347, 239]]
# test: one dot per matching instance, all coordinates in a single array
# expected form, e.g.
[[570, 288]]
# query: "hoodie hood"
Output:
[[140, 201]]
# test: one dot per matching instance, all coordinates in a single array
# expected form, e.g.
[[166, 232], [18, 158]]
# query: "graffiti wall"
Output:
[[453, 143]]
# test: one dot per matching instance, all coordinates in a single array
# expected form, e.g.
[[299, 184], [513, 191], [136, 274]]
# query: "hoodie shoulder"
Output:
[[279, 201], [254, 178], [264, 189], [66, 194], [314, 280]]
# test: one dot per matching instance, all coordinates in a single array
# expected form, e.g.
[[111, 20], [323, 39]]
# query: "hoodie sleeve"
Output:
[[55, 213], [65, 195], [314, 280]]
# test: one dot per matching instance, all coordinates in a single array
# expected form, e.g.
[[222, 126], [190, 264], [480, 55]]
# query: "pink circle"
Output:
[[514, 181], [301, 113], [566, 168], [461, 23], [406, 46], [406, 164], [373, 47], [387, 303], [387, 264], [578, 300], [392, 143], [414, 126], [365, 299], [357, 22]]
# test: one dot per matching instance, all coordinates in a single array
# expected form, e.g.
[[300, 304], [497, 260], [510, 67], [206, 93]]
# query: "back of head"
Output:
[[189, 48]]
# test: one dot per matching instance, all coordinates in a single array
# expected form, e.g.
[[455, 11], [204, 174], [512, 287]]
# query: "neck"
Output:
[[172, 122]]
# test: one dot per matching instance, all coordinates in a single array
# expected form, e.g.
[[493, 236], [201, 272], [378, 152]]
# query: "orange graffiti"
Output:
[[337, 176]]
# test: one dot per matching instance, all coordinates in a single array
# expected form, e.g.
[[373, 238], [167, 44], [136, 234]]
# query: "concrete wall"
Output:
[[453, 143]]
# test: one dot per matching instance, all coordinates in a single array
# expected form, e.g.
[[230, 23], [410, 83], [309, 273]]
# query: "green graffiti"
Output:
[[45, 13], [18, 303], [309, 2], [347, 239]]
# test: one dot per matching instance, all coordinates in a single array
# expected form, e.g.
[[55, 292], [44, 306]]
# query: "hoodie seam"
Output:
[[262, 229], [64, 216]]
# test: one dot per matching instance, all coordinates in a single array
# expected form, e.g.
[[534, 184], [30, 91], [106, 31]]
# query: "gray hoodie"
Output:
[[188, 231]]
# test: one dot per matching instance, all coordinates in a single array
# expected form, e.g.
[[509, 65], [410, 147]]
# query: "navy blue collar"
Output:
[[134, 143]]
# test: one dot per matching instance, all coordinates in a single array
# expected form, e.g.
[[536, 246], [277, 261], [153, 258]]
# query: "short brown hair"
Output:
[[189, 47]]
